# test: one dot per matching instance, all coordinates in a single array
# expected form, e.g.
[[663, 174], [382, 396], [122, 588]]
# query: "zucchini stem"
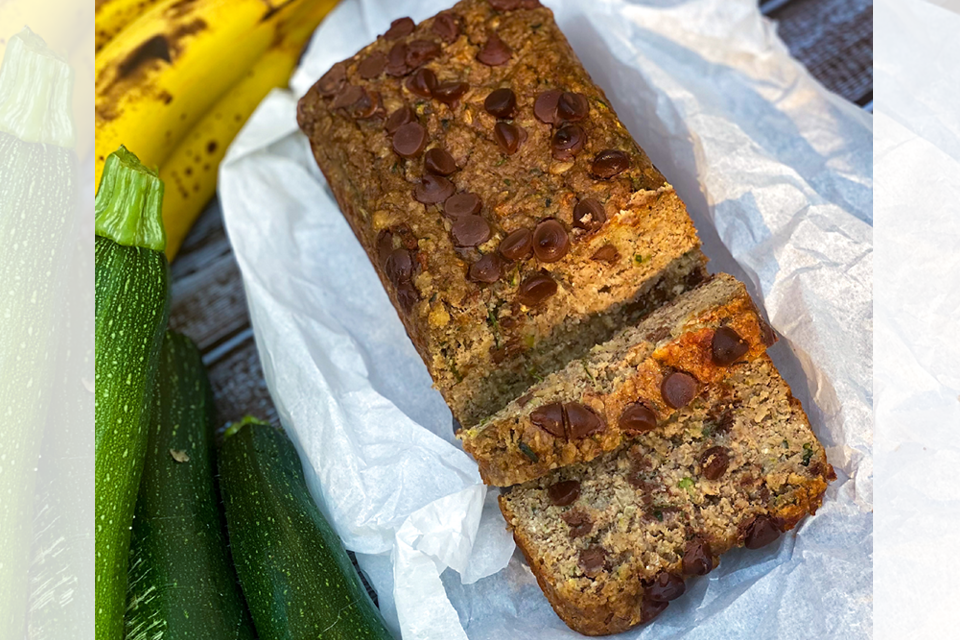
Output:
[[129, 204], [236, 426]]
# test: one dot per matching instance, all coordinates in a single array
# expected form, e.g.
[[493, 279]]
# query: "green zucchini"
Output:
[[37, 200], [131, 314], [296, 576], [182, 582]]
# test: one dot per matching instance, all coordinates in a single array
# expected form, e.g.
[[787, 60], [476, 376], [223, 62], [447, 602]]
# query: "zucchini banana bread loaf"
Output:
[[510, 216], [612, 541], [621, 388]]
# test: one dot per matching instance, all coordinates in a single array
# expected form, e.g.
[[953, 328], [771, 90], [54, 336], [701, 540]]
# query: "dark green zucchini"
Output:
[[131, 309], [296, 576], [182, 582]]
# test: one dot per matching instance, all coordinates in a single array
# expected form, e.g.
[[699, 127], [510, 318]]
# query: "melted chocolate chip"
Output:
[[535, 289], [697, 558], [446, 26], [678, 389], [517, 245], [348, 96], [607, 253], [545, 106], [589, 214], [572, 106], [398, 118], [582, 421], [637, 418], [462, 204], [727, 346], [564, 493], [501, 103], [384, 245], [372, 65], [761, 532], [420, 52], [567, 142], [422, 83], [487, 269], [368, 105], [592, 560], [470, 231], [508, 137], [530, 4], [495, 51], [579, 522], [409, 140], [609, 163], [549, 417], [451, 91], [397, 60], [650, 609], [666, 587], [550, 241], [400, 28], [714, 462], [330, 83], [399, 266], [433, 189], [407, 296], [439, 162], [767, 334], [504, 5]]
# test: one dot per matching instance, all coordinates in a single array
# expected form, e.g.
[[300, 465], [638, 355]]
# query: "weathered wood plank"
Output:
[[239, 387]]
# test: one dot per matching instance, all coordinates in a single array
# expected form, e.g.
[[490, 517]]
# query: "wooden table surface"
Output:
[[833, 38]]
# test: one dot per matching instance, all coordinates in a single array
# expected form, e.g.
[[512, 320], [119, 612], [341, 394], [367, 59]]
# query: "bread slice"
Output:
[[612, 541], [622, 387]]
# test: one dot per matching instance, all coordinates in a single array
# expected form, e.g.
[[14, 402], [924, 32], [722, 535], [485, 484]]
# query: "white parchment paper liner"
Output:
[[777, 175]]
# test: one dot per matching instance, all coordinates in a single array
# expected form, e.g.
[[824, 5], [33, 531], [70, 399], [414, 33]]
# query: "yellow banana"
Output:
[[163, 72], [60, 23], [190, 172], [113, 16]]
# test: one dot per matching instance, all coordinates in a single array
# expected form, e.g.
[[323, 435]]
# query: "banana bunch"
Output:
[[176, 85]]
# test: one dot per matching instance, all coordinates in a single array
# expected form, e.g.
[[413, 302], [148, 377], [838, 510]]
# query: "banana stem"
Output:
[[129, 204]]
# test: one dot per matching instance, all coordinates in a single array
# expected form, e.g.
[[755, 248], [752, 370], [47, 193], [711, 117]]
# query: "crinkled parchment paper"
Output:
[[777, 174]]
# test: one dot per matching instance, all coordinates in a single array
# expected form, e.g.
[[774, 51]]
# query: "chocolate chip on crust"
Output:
[[727, 346], [678, 389], [549, 417]]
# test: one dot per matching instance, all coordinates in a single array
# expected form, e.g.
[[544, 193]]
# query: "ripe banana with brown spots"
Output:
[[113, 16], [166, 70], [190, 172]]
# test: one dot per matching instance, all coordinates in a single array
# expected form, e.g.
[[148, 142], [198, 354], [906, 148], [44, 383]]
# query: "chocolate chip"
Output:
[[582, 421], [530, 4], [609, 163], [607, 253], [666, 587], [407, 296], [567, 142], [525, 399], [368, 105], [462, 204], [517, 245], [679, 389], [727, 346], [349, 95], [399, 28], [637, 418], [451, 91], [650, 609], [504, 5], [409, 140], [495, 51], [579, 522], [420, 52], [470, 231], [330, 83], [397, 60], [550, 241], [572, 106], [384, 245], [545, 106], [372, 65], [398, 118], [487, 269], [761, 532], [535, 289], [508, 137], [439, 162], [592, 559], [714, 462], [501, 103], [432, 189], [564, 493], [767, 333], [549, 417], [446, 26], [422, 83], [589, 214], [697, 558], [399, 266]]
